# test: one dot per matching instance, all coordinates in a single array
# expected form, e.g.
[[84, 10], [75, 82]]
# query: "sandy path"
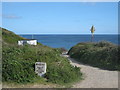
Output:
[[95, 77]]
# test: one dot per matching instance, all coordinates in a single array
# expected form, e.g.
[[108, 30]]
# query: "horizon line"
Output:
[[65, 34]]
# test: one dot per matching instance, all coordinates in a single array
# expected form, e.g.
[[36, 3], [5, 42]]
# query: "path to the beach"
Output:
[[95, 77]]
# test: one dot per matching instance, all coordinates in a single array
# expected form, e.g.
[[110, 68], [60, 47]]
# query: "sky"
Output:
[[60, 17]]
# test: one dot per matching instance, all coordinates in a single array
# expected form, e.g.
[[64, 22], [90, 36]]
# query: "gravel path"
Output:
[[95, 77]]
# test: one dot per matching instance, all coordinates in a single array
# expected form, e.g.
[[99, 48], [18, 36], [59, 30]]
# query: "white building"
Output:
[[40, 68], [30, 42]]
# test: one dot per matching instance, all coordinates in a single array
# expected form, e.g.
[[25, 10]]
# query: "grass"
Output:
[[18, 63], [103, 54]]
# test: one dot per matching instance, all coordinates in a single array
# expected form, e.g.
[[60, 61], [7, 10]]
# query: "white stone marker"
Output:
[[40, 68]]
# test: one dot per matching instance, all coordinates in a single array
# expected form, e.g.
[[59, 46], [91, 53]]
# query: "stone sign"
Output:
[[40, 68]]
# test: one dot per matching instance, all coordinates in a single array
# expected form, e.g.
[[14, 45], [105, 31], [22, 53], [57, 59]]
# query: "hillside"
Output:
[[9, 37], [18, 62], [102, 54]]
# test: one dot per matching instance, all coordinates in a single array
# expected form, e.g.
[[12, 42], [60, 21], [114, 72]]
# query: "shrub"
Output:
[[15, 68], [18, 65], [102, 54]]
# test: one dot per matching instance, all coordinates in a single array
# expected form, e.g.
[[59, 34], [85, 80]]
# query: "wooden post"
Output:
[[92, 37]]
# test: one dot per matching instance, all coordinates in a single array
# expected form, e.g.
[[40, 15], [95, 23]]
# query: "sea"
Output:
[[67, 41]]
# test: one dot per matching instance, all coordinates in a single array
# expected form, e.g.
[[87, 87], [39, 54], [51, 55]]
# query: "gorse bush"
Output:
[[18, 63], [104, 44], [61, 72], [15, 68], [102, 54]]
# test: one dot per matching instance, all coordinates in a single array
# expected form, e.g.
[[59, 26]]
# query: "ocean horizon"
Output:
[[69, 40]]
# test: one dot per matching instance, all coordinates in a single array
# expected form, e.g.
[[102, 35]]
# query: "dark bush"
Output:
[[102, 54]]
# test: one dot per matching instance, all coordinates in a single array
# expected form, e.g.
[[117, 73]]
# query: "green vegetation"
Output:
[[0, 56], [102, 54], [18, 62], [10, 38]]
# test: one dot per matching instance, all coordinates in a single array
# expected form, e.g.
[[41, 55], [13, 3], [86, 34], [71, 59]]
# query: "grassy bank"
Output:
[[18, 62], [102, 54]]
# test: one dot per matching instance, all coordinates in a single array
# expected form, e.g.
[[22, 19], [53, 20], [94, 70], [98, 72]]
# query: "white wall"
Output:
[[20, 42], [30, 42]]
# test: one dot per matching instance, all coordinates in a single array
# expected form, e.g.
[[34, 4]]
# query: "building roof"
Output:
[[27, 40]]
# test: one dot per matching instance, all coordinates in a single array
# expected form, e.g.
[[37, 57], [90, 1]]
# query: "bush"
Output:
[[64, 74], [15, 68], [102, 54], [18, 64]]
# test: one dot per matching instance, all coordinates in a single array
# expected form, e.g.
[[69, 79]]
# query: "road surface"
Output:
[[95, 77]]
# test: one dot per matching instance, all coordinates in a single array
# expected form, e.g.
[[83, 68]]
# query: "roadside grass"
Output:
[[39, 83]]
